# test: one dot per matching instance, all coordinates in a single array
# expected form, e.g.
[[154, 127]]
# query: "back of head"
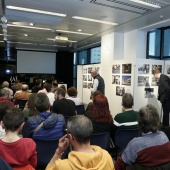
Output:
[[24, 87], [42, 102], [3, 109], [19, 86], [127, 101], [97, 92], [13, 119], [4, 92], [54, 84], [38, 83], [31, 105], [61, 92], [72, 91], [156, 71], [148, 119], [5, 84], [63, 87], [48, 87], [81, 128]]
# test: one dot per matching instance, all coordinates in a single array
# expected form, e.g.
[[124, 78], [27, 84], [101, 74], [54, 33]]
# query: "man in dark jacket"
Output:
[[163, 95], [51, 125]]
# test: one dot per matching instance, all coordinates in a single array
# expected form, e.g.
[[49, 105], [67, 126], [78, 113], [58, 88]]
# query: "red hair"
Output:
[[100, 109]]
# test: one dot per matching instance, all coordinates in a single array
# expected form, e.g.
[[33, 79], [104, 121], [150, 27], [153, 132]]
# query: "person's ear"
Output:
[[3, 126], [70, 136], [21, 126]]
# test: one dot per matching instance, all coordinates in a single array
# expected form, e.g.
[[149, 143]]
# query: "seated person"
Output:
[[152, 148], [54, 85], [100, 115], [24, 95], [37, 87], [4, 165], [62, 105], [50, 94], [84, 156], [64, 88], [128, 118], [51, 124], [3, 109], [6, 96], [72, 92], [16, 151]]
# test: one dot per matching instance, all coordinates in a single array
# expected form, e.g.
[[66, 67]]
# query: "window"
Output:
[[82, 57], [166, 46], [95, 55], [75, 70]]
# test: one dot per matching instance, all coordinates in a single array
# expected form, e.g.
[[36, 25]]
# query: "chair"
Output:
[[45, 151], [101, 139], [124, 136], [21, 103], [80, 109]]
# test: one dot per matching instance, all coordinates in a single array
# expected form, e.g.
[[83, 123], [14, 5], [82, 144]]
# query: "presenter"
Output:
[[98, 83], [163, 95]]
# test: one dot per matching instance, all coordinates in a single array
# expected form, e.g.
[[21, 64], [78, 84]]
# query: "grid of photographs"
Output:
[[121, 75], [87, 78]]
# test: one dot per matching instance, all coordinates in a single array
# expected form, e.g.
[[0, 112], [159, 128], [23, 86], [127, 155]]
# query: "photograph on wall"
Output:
[[120, 91], [154, 81], [89, 77], [85, 71], [126, 68], [116, 69], [149, 92], [168, 69], [126, 80], [115, 79], [143, 80], [84, 84], [143, 68], [97, 69], [84, 77], [155, 67], [89, 69]]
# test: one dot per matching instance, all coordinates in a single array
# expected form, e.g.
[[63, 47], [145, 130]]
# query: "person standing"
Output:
[[98, 83], [163, 95]]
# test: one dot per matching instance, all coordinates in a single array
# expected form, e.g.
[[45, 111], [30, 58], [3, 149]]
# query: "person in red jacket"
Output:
[[16, 151]]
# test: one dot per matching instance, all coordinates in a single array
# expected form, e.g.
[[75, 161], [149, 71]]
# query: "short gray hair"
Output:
[[80, 127]]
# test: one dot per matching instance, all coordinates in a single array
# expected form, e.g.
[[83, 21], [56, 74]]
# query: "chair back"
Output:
[[80, 109], [21, 103], [101, 139], [124, 136], [45, 151]]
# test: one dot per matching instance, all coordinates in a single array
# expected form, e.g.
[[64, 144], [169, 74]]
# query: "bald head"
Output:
[[5, 84], [24, 87], [94, 73]]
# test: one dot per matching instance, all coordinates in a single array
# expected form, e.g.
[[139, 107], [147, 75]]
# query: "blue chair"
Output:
[[80, 109], [101, 139], [124, 136], [45, 151]]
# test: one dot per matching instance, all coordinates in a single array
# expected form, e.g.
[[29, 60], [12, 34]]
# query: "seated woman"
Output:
[[29, 109], [100, 115], [72, 92]]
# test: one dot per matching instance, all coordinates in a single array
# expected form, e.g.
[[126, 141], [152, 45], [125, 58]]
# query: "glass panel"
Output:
[[75, 58], [83, 57], [95, 55], [154, 43], [166, 42], [75, 72], [75, 83]]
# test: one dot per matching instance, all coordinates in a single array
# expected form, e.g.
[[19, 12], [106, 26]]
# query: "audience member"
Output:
[[51, 125], [36, 87], [128, 117], [64, 88], [54, 85], [6, 96], [29, 109], [62, 105], [3, 109], [92, 98], [72, 92], [24, 95], [18, 88], [16, 151], [44, 89], [152, 148], [84, 156], [5, 84], [50, 94], [14, 86], [100, 115]]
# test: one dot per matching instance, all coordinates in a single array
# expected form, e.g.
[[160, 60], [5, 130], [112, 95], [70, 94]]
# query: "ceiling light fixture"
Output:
[[35, 11], [19, 43], [147, 3], [94, 20], [51, 39], [1, 41], [73, 32], [23, 26]]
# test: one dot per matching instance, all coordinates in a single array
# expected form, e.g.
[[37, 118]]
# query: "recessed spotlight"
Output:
[[31, 24], [79, 30], [25, 35], [73, 32]]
